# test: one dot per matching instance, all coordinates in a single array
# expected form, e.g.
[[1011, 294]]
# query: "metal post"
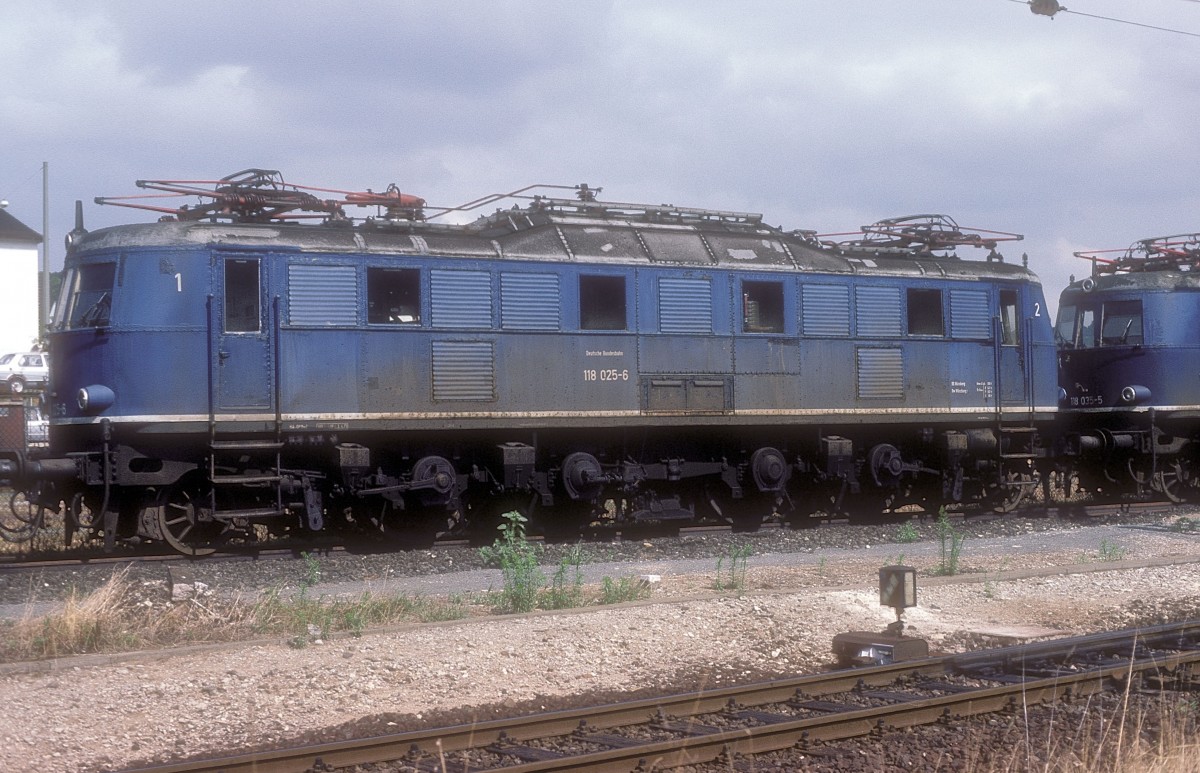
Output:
[[44, 281]]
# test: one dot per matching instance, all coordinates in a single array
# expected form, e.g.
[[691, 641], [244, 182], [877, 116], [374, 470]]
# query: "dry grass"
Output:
[[123, 616], [1157, 737], [1140, 730], [120, 617]]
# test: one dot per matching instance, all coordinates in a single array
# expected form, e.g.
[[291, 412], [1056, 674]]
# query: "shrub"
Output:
[[518, 560]]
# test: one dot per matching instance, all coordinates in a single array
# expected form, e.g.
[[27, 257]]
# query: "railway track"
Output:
[[725, 724], [292, 548]]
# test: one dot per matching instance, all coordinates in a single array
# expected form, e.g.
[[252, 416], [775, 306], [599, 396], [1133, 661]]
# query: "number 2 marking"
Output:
[[1037, 309]]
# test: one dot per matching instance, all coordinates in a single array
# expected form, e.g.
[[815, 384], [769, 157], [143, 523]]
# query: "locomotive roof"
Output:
[[1141, 281], [565, 231]]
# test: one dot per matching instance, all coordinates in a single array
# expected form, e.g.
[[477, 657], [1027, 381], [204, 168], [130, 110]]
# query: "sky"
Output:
[[1077, 132]]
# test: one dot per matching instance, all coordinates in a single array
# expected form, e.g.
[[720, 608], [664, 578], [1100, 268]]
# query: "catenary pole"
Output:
[[44, 283]]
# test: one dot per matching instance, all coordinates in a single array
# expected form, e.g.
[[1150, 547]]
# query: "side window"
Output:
[[393, 296], [241, 295], [1122, 324], [1009, 332], [602, 303], [58, 313], [1064, 331], [925, 312], [762, 307], [91, 299]]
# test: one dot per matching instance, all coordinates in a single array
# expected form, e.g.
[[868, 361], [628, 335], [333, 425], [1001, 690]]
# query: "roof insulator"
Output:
[[1045, 7]]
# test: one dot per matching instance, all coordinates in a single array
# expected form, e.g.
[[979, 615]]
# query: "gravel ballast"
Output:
[[87, 714]]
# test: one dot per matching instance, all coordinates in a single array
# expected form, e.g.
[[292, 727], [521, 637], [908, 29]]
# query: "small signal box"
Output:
[[898, 590]]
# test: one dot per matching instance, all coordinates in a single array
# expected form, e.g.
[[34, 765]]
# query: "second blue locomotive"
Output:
[[1129, 366]]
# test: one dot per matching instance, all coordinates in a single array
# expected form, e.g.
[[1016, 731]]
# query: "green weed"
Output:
[[518, 560], [312, 572], [951, 541], [737, 558], [907, 532], [1110, 551], [1186, 525], [622, 590], [566, 587]]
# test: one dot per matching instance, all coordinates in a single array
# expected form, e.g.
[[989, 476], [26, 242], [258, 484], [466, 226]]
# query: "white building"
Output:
[[18, 284]]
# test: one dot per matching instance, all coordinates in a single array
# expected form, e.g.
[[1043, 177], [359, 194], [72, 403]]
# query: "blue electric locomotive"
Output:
[[233, 368], [1128, 359]]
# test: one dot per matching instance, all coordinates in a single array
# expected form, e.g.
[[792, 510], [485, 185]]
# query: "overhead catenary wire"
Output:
[[1120, 21]]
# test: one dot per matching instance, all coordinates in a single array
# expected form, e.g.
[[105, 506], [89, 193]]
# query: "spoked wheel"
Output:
[[181, 525], [1016, 488], [1175, 482]]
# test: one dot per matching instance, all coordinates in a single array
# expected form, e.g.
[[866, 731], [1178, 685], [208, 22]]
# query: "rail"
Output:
[[754, 719]]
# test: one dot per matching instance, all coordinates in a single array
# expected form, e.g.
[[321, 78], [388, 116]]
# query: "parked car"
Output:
[[22, 369]]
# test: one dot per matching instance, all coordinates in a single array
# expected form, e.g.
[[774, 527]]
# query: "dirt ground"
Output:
[[100, 712]]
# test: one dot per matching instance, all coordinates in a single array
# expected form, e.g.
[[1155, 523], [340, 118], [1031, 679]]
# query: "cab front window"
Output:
[[91, 296], [1093, 325], [1064, 331]]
